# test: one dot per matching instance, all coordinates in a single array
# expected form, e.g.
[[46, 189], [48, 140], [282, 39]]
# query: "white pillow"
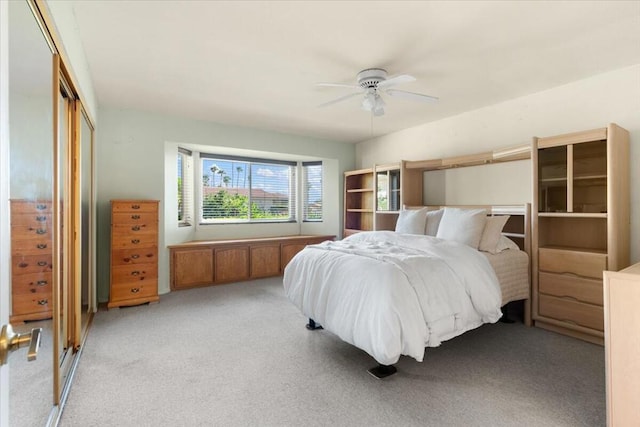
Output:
[[492, 232], [462, 225], [433, 221], [506, 243], [412, 221]]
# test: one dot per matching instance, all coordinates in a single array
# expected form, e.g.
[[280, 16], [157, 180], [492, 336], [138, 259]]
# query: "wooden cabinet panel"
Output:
[[21, 264], [573, 312], [586, 264], [232, 264], [32, 282], [289, 251], [202, 263], [134, 252], [32, 306], [192, 267], [265, 261], [560, 285]]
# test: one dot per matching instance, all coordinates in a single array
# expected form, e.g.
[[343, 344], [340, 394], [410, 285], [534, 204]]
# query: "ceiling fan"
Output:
[[374, 81]]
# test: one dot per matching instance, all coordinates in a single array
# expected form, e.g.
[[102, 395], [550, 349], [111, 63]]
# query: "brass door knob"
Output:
[[10, 341]]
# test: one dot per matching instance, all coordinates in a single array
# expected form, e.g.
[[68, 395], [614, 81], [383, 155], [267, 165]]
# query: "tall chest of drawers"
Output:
[[31, 260], [134, 252]]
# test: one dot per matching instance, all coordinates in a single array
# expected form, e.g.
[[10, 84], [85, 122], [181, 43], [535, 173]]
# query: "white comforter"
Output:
[[392, 294]]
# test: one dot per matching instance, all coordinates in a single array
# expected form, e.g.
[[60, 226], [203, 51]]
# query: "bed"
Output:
[[393, 293]]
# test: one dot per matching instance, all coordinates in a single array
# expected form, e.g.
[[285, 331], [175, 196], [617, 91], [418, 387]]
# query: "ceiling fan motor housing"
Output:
[[369, 78]]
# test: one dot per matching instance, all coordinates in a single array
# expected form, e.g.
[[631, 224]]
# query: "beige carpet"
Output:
[[239, 354]]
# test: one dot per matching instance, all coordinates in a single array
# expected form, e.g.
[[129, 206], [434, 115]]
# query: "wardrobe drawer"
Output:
[[31, 264], [30, 232], [134, 256], [573, 312], [578, 288], [133, 206], [586, 264], [133, 290], [134, 229]]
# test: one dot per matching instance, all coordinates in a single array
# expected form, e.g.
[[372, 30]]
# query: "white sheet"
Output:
[[393, 294]]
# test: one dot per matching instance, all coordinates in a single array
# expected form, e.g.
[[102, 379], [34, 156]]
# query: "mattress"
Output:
[[512, 269]]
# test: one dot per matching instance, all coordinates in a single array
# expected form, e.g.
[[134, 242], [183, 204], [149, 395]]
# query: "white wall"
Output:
[[613, 97], [136, 156]]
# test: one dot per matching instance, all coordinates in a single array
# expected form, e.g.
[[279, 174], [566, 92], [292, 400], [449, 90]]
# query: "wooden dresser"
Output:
[[31, 260], [622, 345], [134, 252]]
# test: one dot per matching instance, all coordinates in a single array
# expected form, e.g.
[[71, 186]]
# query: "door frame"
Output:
[[4, 200]]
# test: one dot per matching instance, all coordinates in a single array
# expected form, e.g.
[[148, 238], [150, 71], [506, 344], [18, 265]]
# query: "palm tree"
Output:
[[221, 172], [214, 170], [226, 179], [239, 170], [205, 180]]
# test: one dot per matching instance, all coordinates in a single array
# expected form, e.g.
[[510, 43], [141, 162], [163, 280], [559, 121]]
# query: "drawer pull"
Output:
[[135, 273], [135, 256], [23, 265], [135, 228], [41, 246], [135, 241], [41, 207], [42, 263], [41, 231], [135, 290], [41, 283], [135, 206], [135, 216], [43, 302], [41, 218]]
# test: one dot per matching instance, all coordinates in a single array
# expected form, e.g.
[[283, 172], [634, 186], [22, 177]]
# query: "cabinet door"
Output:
[[265, 261], [232, 264], [289, 250], [192, 267]]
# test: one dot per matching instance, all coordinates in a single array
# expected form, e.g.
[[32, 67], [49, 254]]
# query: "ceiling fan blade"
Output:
[[396, 80], [411, 95], [342, 98], [322, 84]]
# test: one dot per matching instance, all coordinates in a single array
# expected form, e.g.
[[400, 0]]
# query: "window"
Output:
[[240, 189], [185, 187], [312, 191]]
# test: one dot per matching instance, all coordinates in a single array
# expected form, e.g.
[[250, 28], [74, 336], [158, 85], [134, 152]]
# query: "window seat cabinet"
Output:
[[214, 262]]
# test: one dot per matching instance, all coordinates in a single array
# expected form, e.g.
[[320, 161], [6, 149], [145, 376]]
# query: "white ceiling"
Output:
[[255, 63]]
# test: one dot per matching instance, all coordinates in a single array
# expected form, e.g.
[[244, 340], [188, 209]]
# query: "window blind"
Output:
[[312, 191]]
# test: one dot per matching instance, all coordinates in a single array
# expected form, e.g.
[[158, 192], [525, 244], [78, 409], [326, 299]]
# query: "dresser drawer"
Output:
[[133, 290], [135, 218], [30, 207], [134, 229], [578, 288], [134, 273], [133, 206], [573, 312], [31, 283], [586, 264], [30, 232], [40, 246], [31, 303], [133, 242], [134, 256], [34, 219], [31, 264]]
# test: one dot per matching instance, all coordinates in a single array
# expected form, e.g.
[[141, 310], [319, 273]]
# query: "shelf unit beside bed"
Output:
[[580, 226], [358, 201]]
